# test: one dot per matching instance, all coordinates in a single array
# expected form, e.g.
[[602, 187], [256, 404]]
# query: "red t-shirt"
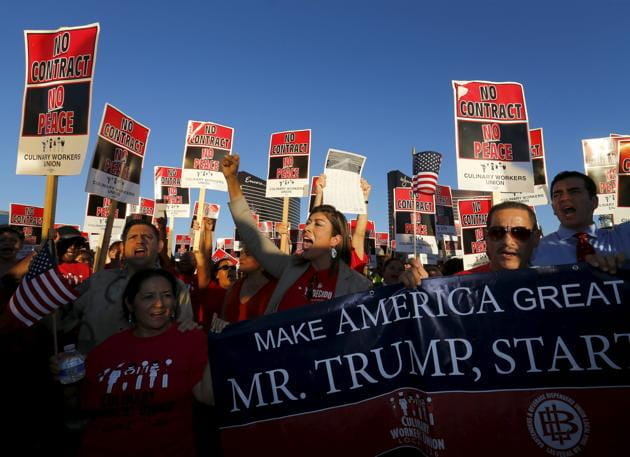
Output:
[[356, 263], [139, 391], [207, 302], [235, 311], [480, 269], [75, 272], [312, 287]]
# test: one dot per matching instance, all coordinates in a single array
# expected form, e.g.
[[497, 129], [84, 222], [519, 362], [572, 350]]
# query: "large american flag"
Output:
[[42, 290], [426, 167]]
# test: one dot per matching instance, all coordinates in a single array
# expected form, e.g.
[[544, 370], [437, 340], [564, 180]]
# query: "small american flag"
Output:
[[42, 290], [426, 167]]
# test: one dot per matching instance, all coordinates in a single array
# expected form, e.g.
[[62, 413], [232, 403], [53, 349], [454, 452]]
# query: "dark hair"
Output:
[[135, 283], [339, 227], [390, 260], [513, 205], [67, 231], [430, 268], [214, 268], [589, 184], [133, 222], [65, 243], [452, 266], [4, 228]]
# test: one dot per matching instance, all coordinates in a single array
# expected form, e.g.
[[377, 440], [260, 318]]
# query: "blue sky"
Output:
[[371, 77]]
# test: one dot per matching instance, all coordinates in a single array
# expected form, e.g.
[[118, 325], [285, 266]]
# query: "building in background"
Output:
[[268, 209]]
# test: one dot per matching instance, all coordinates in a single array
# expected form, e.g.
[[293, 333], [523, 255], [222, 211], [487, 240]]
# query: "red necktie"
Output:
[[583, 247]]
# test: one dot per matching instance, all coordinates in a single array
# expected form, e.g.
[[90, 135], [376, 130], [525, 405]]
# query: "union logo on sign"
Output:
[[558, 424]]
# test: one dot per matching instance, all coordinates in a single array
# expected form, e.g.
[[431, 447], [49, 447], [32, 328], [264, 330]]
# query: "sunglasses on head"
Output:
[[227, 267], [518, 233]]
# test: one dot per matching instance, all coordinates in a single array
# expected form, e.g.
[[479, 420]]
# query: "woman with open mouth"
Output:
[[319, 273]]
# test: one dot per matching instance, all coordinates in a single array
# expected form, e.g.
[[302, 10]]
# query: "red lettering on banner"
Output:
[[56, 122], [204, 164], [491, 132], [56, 97], [607, 187], [288, 173], [478, 247], [420, 229], [536, 151], [103, 211], [117, 168], [492, 151], [173, 199]]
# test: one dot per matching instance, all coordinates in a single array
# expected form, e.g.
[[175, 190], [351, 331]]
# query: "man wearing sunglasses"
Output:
[[511, 236], [574, 199]]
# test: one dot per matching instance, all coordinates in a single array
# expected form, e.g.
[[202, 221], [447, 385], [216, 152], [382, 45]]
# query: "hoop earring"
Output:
[[333, 253]]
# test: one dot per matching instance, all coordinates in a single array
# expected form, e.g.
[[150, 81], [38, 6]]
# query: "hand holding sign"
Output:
[[366, 188], [413, 276]]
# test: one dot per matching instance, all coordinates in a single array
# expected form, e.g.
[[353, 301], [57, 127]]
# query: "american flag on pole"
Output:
[[42, 290], [426, 167]]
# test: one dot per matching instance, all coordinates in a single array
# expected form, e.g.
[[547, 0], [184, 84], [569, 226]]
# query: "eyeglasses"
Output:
[[227, 267], [518, 233]]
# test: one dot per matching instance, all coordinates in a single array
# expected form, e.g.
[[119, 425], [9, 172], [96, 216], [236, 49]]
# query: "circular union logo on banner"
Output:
[[558, 424]]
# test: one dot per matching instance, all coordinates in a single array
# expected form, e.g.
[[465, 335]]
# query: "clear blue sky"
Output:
[[371, 77]]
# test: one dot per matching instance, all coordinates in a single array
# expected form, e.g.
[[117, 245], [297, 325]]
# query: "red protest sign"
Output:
[[220, 254], [623, 180], [118, 158], [124, 131], [492, 136], [57, 100], [418, 224], [473, 215], [96, 213], [169, 194], [28, 219], [183, 243], [289, 153], [205, 146]]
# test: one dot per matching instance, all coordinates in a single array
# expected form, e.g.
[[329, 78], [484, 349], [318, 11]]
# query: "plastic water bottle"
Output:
[[71, 365]]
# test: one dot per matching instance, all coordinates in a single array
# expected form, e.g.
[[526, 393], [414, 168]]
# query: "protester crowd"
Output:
[[141, 321]]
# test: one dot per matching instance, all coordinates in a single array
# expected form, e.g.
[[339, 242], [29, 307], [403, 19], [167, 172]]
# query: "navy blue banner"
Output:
[[407, 362]]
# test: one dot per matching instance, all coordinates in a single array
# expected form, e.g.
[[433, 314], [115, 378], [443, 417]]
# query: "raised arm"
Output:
[[262, 248], [358, 237], [202, 256], [319, 191]]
